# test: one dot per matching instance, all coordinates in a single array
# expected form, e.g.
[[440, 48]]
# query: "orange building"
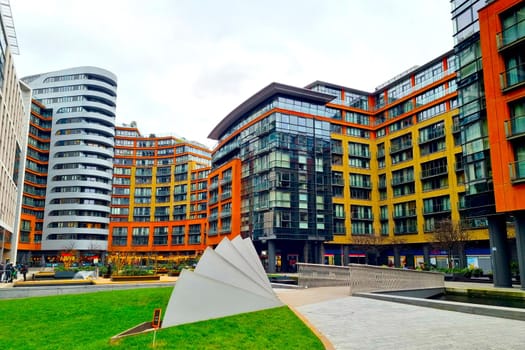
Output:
[[502, 38], [502, 31], [159, 198], [35, 183], [224, 204]]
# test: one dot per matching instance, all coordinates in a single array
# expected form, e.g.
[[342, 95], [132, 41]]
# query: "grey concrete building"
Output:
[[78, 192]]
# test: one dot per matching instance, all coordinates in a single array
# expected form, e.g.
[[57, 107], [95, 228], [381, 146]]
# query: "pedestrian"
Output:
[[9, 273], [23, 270]]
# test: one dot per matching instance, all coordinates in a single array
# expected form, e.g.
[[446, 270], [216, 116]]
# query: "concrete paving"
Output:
[[351, 322]]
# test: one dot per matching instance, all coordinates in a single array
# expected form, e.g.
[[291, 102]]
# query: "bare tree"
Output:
[[452, 237], [371, 244]]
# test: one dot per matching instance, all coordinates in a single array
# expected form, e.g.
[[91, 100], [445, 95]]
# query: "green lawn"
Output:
[[88, 321]]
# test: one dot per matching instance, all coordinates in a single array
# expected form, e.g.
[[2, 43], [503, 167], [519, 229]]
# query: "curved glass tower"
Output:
[[78, 193]]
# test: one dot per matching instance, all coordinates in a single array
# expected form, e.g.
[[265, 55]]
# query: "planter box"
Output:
[[64, 274], [135, 278]]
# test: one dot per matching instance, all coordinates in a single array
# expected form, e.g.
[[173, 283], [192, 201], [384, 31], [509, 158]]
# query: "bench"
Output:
[[51, 282]]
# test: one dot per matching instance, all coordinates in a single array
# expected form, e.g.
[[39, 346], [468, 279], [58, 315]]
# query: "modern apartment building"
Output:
[[14, 120], [80, 165], [159, 195], [35, 184], [502, 38], [488, 44], [326, 167]]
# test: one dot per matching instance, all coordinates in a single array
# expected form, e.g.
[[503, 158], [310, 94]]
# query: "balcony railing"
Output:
[[431, 136], [365, 217], [436, 209], [515, 127], [337, 149], [517, 171], [398, 180], [512, 77], [400, 146], [360, 154], [226, 180], [437, 171], [338, 181], [405, 230], [405, 213], [511, 35]]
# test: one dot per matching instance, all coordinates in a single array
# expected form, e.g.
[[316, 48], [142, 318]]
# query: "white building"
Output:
[[15, 103], [78, 195]]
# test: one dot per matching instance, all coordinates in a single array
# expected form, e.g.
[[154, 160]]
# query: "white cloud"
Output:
[[184, 65]]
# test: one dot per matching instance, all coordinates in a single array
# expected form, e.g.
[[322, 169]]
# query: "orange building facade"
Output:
[[502, 32], [159, 197], [35, 183], [224, 188]]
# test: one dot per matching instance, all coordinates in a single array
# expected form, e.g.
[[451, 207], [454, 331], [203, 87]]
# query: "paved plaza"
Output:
[[351, 322]]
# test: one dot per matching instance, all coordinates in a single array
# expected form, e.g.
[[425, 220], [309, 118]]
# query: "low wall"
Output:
[[367, 278], [315, 275]]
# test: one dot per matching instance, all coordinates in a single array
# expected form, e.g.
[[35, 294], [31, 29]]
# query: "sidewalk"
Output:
[[362, 323]]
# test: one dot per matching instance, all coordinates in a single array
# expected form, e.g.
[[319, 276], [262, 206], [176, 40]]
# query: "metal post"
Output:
[[520, 245], [271, 256]]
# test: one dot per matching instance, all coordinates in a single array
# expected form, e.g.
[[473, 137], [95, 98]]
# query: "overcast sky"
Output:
[[182, 66]]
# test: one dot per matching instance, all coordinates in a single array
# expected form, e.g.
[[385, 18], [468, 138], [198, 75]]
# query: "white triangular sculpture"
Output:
[[227, 281]]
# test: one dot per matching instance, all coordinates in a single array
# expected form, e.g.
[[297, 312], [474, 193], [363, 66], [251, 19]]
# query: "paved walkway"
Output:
[[362, 323]]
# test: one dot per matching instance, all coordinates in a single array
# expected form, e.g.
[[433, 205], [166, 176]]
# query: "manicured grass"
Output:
[[88, 321]]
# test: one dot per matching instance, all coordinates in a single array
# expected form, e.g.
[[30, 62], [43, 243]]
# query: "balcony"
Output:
[[226, 180], [517, 172], [338, 181], [337, 149], [437, 171], [360, 154], [226, 212], [511, 36], [431, 136], [436, 209], [398, 147], [410, 229], [399, 180], [406, 213], [362, 217], [515, 128], [512, 77], [364, 185]]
